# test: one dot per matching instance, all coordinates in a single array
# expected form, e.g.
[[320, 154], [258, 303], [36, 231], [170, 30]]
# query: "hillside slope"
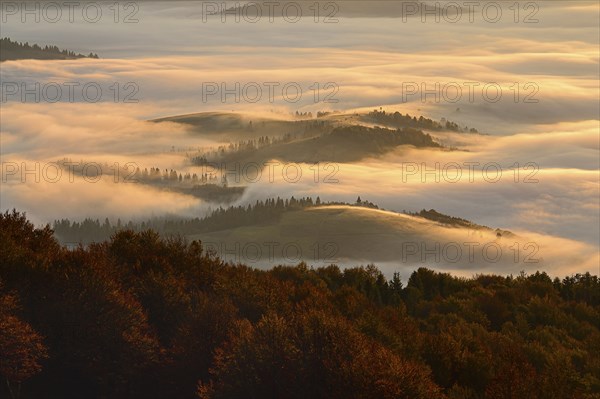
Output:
[[349, 234]]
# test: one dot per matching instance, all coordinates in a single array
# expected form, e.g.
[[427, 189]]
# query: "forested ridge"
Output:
[[396, 119], [259, 213], [343, 143], [13, 50], [143, 317]]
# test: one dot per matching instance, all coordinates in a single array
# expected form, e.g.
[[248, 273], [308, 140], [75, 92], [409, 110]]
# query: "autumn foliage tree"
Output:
[[21, 348]]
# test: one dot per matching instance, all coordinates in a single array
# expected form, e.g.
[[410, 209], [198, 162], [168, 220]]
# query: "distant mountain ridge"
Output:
[[13, 50]]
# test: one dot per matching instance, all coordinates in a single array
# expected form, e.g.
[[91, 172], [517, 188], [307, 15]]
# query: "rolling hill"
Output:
[[331, 137], [343, 233], [288, 232]]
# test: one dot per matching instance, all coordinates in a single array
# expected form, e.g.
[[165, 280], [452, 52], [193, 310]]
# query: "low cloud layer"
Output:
[[373, 62]]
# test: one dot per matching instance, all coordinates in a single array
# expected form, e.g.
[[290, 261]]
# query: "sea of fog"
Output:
[[167, 56]]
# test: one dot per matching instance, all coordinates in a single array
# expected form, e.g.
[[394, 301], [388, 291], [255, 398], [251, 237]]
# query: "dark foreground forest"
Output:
[[143, 317]]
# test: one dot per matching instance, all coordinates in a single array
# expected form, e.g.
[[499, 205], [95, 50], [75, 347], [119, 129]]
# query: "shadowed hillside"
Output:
[[329, 137], [341, 144]]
